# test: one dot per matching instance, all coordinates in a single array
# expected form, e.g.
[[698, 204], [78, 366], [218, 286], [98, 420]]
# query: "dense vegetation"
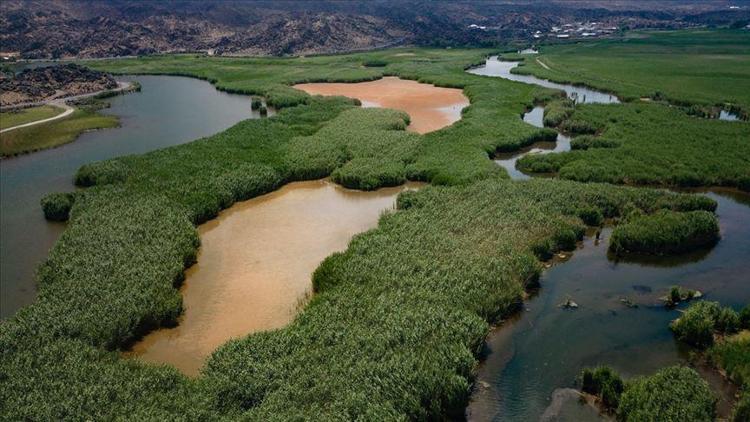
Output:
[[394, 326], [687, 67], [650, 144], [701, 320], [27, 115], [733, 356], [604, 383], [727, 333], [54, 133], [673, 394], [665, 232]]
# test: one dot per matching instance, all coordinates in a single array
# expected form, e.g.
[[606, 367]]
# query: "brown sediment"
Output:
[[255, 264], [429, 107]]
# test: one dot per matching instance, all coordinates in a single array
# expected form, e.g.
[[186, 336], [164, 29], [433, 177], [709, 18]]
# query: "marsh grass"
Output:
[[655, 145], [665, 232], [54, 133], [397, 320]]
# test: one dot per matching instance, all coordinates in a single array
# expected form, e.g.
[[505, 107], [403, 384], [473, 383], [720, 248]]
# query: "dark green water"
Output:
[[545, 347], [168, 111]]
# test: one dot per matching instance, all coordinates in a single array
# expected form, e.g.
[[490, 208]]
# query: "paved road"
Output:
[[62, 103]]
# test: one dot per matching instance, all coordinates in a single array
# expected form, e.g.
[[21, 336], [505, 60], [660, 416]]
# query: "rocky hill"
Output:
[[91, 28], [43, 83]]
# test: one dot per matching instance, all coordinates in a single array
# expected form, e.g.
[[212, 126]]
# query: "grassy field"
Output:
[[697, 66], [27, 115], [54, 133], [651, 144]]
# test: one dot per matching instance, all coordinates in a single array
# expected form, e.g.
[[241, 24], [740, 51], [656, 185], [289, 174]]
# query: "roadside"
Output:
[[61, 103]]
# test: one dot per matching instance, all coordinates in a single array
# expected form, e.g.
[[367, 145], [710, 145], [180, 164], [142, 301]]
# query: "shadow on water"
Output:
[[168, 111]]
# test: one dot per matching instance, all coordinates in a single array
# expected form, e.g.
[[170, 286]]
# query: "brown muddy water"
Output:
[[429, 107], [255, 264]]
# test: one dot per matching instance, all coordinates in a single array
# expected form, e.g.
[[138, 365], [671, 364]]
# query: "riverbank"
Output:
[[8, 120], [61, 128], [686, 67]]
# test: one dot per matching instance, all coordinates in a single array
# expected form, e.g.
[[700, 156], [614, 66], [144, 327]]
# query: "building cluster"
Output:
[[578, 30]]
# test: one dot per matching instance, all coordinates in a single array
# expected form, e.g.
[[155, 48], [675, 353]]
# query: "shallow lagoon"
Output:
[[255, 265]]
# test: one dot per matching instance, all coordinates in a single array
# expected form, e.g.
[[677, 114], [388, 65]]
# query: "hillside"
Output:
[[40, 29]]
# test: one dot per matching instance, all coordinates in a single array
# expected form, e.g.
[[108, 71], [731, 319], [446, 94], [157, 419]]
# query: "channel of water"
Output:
[[531, 361]]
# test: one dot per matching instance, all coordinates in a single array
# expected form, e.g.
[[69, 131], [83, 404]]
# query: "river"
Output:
[[169, 110], [538, 353]]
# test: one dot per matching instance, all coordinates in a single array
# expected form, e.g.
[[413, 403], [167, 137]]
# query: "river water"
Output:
[[537, 354], [168, 111]]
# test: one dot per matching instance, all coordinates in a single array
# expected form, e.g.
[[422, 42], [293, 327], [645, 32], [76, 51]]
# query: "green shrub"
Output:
[[256, 103], [588, 141], [673, 394], [745, 318], [696, 325], [101, 173], [675, 296], [56, 206], [665, 232], [727, 321], [575, 126], [591, 216], [741, 412], [604, 383]]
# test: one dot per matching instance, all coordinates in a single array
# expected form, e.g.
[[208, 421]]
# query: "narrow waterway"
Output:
[[255, 264], [168, 111], [502, 69], [532, 361]]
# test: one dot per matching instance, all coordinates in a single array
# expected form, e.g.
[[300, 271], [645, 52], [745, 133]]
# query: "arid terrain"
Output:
[[43, 83], [43, 29]]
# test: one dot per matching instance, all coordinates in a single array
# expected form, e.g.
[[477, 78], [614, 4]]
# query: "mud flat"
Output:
[[429, 107], [255, 264]]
